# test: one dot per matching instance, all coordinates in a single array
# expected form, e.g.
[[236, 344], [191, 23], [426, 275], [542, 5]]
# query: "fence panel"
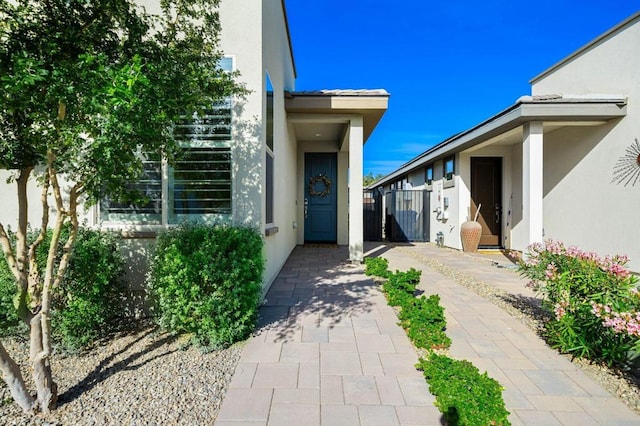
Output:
[[407, 215], [372, 215]]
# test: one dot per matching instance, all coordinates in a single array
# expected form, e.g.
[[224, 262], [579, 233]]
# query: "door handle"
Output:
[[306, 207], [498, 213]]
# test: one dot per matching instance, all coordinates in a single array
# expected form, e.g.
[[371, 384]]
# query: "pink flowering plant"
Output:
[[592, 301]]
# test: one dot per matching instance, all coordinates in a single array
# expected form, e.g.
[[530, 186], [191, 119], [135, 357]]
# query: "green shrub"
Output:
[[92, 292], [422, 318], [8, 315], [400, 287], [207, 282], [592, 302], [88, 299], [424, 321], [463, 395], [376, 266]]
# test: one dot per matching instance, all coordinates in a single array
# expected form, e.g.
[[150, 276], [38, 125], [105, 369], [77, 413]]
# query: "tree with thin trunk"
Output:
[[86, 86]]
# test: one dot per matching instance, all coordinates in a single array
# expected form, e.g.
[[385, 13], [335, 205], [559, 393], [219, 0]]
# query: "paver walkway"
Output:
[[330, 352]]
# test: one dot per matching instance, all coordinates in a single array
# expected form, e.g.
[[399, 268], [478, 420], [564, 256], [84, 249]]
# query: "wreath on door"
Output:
[[315, 181]]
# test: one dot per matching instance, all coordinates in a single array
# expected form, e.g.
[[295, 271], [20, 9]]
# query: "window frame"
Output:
[[269, 152], [428, 171], [168, 217], [213, 144], [449, 175]]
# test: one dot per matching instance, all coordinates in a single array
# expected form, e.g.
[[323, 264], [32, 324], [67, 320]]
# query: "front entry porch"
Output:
[[330, 129]]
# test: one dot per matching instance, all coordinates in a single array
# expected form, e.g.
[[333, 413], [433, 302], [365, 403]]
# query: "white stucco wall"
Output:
[[278, 64], [245, 46], [517, 233], [582, 206], [440, 189], [9, 197]]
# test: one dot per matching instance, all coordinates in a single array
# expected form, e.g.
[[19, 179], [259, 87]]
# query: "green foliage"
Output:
[[88, 300], [8, 316], [86, 88], [463, 395], [94, 83], [376, 266], [207, 282], [370, 178], [592, 302], [423, 319], [400, 288]]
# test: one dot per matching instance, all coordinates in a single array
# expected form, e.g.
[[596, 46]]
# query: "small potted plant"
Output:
[[470, 233]]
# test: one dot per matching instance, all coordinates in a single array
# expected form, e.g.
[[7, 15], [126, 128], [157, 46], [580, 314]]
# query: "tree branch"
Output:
[[13, 377], [53, 179], [34, 272], [23, 210], [40, 367], [66, 251], [8, 253], [21, 255], [51, 257]]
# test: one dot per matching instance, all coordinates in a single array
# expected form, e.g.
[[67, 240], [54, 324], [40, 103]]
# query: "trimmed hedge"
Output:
[[207, 282], [91, 296]]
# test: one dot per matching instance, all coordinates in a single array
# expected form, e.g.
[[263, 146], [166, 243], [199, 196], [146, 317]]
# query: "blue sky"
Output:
[[448, 65]]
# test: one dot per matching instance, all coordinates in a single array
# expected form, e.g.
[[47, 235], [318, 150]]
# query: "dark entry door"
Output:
[[320, 198], [486, 190]]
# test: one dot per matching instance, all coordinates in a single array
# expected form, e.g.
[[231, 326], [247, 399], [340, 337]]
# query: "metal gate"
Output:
[[407, 215], [372, 215]]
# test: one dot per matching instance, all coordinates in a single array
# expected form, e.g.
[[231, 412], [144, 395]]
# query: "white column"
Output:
[[532, 181], [356, 234]]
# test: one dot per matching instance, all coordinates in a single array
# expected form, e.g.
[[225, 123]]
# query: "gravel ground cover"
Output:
[[136, 378]]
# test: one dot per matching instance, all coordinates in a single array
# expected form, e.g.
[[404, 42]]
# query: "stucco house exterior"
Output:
[[559, 163], [281, 160]]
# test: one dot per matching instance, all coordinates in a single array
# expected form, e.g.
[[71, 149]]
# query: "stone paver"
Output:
[[541, 386], [329, 351]]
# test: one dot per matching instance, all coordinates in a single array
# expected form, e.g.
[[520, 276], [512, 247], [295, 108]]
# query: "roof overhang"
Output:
[[553, 111], [370, 104]]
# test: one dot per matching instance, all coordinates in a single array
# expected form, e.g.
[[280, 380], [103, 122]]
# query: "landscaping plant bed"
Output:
[[139, 377]]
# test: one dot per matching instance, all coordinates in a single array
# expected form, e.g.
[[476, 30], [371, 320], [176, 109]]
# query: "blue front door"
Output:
[[320, 198]]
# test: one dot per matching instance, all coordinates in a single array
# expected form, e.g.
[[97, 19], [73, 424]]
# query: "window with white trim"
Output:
[[199, 184]]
